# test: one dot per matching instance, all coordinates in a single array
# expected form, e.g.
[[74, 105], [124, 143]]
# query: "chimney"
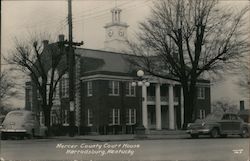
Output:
[[61, 38], [242, 106], [45, 43]]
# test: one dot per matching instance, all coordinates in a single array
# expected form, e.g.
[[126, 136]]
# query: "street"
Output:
[[228, 149]]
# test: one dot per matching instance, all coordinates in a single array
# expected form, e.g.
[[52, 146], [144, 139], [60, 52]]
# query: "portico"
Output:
[[162, 105]]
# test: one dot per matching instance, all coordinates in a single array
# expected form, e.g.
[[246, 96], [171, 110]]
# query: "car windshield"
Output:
[[213, 117]]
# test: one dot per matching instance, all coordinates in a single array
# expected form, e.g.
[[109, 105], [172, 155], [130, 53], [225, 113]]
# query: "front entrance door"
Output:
[[164, 117], [151, 117]]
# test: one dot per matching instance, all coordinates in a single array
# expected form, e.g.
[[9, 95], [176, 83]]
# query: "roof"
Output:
[[110, 63], [98, 61]]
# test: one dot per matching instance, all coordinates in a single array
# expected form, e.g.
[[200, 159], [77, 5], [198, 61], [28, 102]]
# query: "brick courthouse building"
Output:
[[105, 100]]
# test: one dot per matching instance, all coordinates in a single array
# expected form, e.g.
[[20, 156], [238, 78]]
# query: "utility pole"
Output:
[[0, 51], [71, 67]]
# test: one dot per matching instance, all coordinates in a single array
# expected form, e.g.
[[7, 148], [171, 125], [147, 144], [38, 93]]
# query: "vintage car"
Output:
[[21, 123], [218, 124], [1, 120]]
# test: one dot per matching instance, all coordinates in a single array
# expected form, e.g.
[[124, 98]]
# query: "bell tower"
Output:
[[116, 33]]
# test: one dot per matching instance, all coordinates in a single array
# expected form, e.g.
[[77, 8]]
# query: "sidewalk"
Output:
[[152, 135]]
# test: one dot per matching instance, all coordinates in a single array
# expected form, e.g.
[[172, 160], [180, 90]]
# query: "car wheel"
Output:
[[214, 133], [194, 136], [32, 135], [244, 133], [3, 136]]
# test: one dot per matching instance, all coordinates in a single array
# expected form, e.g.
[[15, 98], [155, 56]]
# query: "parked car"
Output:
[[219, 125], [1, 120], [21, 123]]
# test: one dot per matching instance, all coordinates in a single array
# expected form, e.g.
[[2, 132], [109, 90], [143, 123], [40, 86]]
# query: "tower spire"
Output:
[[115, 3], [116, 15], [116, 32]]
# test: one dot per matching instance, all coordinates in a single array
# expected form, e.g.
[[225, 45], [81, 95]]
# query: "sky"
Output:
[[22, 19]]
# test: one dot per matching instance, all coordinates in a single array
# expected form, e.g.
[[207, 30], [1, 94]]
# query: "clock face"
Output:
[[110, 33], [121, 33]]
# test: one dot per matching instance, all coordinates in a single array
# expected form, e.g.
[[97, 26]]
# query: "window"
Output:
[[65, 85], [202, 114], [130, 116], [29, 95], [52, 77], [90, 117], [201, 93], [89, 89], [114, 116], [41, 118], [226, 117], [53, 118], [234, 117], [66, 118], [130, 90], [113, 88], [56, 92]]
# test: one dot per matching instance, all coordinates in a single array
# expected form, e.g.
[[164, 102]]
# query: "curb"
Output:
[[134, 138]]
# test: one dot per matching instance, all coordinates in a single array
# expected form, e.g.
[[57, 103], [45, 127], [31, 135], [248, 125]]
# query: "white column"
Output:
[[171, 106], [144, 107], [113, 16], [158, 106], [182, 107]]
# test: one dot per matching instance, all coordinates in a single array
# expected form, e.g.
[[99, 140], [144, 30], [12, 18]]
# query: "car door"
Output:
[[236, 124], [225, 124]]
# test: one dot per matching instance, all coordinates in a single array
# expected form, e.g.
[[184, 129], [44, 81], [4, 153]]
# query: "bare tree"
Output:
[[5, 86], [45, 63], [224, 105], [8, 90], [188, 39], [244, 81]]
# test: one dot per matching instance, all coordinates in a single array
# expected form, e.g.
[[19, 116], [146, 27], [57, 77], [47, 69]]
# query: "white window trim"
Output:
[[65, 86], [130, 88], [201, 93], [51, 118], [65, 119], [89, 86], [113, 88], [88, 118], [202, 113], [130, 116], [30, 99], [113, 117]]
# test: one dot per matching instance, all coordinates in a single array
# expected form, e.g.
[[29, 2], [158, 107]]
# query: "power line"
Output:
[[103, 13], [92, 11], [61, 26]]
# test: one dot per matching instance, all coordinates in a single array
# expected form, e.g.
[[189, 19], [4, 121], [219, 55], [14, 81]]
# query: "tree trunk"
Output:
[[189, 93], [46, 112]]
